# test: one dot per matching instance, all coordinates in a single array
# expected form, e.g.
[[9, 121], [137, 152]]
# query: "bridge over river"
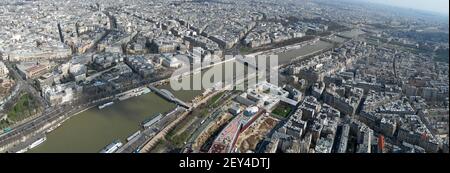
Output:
[[169, 96]]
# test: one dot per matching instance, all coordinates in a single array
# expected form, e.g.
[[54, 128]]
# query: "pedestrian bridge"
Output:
[[169, 96]]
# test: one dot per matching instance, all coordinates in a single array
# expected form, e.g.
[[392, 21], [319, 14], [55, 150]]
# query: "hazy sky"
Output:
[[440, 6]]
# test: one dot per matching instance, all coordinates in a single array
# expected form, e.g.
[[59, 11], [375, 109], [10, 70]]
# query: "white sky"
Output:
[[440, 6]]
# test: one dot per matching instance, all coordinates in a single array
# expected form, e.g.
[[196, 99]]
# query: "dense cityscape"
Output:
[[95, 76]]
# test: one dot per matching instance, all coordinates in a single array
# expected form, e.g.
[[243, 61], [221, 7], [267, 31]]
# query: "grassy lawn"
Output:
[[176, 138], [4, 124], [282, 111], [245, 50], [179, 140], [213, 102], [24, 107]]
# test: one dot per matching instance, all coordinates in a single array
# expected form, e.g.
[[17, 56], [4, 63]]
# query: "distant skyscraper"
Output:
[[61, 37]]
